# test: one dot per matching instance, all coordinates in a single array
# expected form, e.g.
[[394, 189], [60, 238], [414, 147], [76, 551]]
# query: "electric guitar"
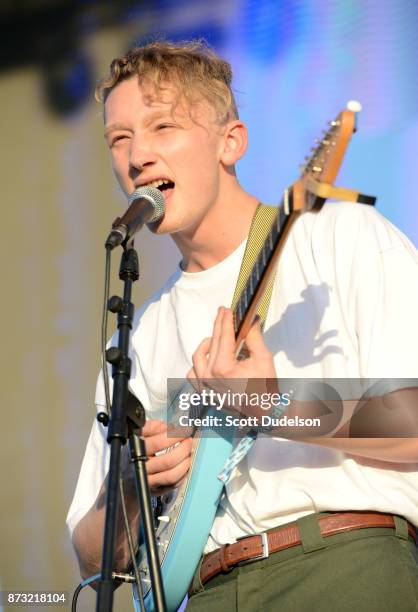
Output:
[[188, 513]]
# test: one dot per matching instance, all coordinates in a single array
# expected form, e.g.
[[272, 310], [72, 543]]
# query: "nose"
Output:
[[141, 155]]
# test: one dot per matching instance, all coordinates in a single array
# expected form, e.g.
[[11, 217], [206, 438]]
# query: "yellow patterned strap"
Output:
[[259, 230]]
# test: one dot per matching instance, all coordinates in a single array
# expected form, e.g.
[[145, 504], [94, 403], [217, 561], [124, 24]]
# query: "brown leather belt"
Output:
[[257, 547]]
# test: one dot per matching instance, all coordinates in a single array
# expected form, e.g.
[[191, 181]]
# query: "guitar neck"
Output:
[[248, 302], [320, 169]]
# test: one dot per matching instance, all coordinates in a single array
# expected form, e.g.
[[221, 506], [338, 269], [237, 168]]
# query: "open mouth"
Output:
[[164, 185]]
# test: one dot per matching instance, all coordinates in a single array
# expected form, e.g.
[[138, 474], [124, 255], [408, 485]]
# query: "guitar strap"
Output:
[[260, 227]]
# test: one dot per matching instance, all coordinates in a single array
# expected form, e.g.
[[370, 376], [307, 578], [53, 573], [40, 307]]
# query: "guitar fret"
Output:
[[275, 230], [256, 269], [263, 256], [267, 250], [269, 247], [239, 310], [246, 296]]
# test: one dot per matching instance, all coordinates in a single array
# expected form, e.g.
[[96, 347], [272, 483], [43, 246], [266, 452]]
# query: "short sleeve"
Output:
[[386, 307], [93, 472]]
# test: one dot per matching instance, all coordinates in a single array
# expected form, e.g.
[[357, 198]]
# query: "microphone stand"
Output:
[[127, 416]]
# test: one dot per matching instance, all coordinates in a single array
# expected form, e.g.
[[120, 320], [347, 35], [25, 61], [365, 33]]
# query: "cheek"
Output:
[[192, 148], [200, 163], [121, 171]]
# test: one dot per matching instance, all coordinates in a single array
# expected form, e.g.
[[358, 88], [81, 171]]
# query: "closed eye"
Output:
[[118, 138], [163, 126]]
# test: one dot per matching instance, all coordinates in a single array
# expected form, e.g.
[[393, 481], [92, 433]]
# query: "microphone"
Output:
[[146, 205]]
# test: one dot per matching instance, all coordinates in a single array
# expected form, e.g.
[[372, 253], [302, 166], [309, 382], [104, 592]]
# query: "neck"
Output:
[[223, 229]]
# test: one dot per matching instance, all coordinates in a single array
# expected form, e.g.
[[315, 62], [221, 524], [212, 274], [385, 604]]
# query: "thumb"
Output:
[[254, 339]]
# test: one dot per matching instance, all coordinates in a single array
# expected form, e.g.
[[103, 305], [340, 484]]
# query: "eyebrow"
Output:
[[156, 115], [147, 121], [115, 126]]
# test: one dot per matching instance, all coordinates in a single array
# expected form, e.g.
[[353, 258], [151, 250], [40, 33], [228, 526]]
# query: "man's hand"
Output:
[[215, 356], [168, 458], [165, 471]]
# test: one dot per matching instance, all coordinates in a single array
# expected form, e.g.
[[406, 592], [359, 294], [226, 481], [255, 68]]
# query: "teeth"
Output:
[[157, 183]]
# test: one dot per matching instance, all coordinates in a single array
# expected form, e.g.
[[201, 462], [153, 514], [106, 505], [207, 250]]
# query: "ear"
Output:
[[235, 142]]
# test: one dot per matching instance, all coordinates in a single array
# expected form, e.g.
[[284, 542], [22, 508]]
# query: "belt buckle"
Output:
[[265, 549]]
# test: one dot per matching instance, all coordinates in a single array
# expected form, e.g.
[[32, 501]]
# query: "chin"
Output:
[[164, 226], [158, 228], [170, 223]]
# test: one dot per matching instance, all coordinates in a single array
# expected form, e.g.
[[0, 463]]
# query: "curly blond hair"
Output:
[[194, 69]]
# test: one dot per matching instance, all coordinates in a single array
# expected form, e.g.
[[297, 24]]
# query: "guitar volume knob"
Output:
[[164, 518]]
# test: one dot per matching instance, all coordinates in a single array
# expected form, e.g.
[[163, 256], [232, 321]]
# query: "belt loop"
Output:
[[401, 527], [310, 533]]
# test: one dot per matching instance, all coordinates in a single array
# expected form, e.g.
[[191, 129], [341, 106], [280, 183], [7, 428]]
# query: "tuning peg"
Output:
[[354, 106], [316, 169], [322, 142]]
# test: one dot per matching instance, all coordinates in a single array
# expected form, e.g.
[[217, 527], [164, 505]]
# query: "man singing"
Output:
[[343, 305]]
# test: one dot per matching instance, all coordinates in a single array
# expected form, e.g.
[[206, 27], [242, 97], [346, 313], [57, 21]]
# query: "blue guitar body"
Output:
[[188, 516]]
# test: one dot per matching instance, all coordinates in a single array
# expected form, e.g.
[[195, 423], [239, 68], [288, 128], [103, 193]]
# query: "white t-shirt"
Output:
[[344, 305]]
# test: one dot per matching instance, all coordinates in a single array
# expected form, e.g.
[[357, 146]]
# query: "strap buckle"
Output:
[[265, 549]]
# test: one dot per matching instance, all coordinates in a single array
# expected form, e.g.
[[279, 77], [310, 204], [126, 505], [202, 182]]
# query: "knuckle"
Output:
[[205, 345], [180, 471], [220, 369], [149, 447], [172, 476], [154, 444]]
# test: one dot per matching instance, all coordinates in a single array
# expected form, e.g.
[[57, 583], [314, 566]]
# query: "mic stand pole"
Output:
[[136, 421], [118, 431]]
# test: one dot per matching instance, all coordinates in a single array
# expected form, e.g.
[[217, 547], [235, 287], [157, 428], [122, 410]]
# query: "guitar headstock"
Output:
[[323, 164]]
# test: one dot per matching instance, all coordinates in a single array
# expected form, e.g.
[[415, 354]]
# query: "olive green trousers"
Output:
[[365, 570]]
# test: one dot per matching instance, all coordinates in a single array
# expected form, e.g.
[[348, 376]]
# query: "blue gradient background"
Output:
[[296, 64]]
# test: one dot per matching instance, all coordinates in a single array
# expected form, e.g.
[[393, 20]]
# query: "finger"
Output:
[[165, 481], [225, 358], [180, 432], [260, 355], [217, 333], [227, 342], [193, 379], [159, 442], [169, 460], [255, 341], [200, 357], [153, 427]]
